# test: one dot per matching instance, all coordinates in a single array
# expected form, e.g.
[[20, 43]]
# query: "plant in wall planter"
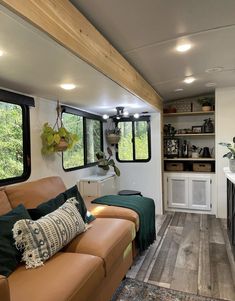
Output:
[[57, 138], [113, 136], [105, 162], [231, 154]]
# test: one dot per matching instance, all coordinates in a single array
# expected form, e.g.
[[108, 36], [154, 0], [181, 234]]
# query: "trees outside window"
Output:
[[14, 137], [89, 131], [134, 145]]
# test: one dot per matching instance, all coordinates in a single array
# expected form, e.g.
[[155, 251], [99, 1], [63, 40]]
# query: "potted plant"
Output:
[[56, 140], [195, 151], [113, 135], [206, 103], [104, 162], [231, 154]]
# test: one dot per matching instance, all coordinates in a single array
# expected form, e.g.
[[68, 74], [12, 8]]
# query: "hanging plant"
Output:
[[57, 138]]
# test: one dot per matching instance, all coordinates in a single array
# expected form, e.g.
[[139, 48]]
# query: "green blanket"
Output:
[[145, 208]]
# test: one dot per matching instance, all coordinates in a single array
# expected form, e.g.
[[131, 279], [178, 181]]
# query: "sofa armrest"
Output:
[[4, 289]]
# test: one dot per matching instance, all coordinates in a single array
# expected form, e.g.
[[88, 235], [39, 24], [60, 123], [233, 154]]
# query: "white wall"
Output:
[[225, 131], [44, 166], [146, 177]]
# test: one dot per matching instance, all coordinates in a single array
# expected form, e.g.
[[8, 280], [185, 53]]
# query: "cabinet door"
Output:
[[200, 192], [177, 188]]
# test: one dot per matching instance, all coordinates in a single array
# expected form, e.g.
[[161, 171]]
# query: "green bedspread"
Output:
[[145, 208]]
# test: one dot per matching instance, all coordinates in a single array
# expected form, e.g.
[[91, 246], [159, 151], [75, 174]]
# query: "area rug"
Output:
[[134, 290]]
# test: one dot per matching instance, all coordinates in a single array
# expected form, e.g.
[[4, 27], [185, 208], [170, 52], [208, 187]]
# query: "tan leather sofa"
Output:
[[90, 268]]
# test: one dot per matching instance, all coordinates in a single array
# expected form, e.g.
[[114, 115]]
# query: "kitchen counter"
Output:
[[230, 175]]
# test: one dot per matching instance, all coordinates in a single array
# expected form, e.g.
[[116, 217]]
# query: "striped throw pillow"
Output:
[[41, 239]]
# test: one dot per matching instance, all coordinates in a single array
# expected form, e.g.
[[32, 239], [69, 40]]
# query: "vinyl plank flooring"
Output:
[[204, 275], [165, 262], [192, 255]]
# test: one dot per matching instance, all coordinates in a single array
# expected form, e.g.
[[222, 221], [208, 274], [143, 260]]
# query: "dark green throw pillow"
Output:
[[59, 200], [9, 255]]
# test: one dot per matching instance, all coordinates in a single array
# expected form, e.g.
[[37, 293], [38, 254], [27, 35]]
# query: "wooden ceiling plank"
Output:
[[64, 23]]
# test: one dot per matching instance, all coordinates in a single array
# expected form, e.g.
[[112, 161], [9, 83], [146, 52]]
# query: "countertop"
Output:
[[230, 175]]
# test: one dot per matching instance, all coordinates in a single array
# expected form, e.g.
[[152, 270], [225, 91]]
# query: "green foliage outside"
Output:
[[11, 141], [75, 157], [125, 146]]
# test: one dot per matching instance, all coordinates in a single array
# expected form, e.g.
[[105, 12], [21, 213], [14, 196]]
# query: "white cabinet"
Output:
[[188, 191], [177, 188], [199, 192], [98, 185]]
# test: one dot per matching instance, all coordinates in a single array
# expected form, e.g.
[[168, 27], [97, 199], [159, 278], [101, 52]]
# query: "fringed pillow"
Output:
[[41, 239]]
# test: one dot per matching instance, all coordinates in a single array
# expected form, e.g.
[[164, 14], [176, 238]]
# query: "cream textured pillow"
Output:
[[41, 239]]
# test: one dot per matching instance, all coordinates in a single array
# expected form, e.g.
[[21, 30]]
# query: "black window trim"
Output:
[[85, 115], [24, 102], [133, 120]]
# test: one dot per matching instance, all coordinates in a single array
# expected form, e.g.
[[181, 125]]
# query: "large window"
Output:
[[88, 127], [14, 137], [134, 145]]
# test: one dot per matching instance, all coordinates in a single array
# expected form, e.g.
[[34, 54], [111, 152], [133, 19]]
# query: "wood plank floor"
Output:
[[191, 254]]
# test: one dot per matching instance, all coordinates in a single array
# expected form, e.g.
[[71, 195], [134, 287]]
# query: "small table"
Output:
[[129, 192]]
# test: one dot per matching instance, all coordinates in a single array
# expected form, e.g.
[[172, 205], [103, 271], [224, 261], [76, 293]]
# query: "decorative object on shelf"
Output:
[[169, 131], [231, 154], [205, 152], [57, 138], [197, 129], [171, 147], [184, 149], [195, 151], [206, 102], [104, 162], [208, 126]]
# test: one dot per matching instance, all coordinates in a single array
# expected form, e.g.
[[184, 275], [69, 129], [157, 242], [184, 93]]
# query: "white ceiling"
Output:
[[146, 32], [34, 64]]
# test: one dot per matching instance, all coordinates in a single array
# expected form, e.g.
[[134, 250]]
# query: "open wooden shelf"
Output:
[[188, 113], [189, 159], [194, 135]]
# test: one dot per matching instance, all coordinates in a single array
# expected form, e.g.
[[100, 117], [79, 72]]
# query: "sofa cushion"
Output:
[[65, 277], [113, 212], [9, 255], [41, 239], [107, 238], [5, 206], [31, 194], [53, 204]]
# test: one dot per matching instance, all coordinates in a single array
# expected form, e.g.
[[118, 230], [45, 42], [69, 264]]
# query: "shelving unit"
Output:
[[186, 188], [189, 113]]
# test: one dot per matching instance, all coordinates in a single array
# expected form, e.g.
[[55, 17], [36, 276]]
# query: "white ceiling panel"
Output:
[[34, 64], [147, 33], [161, 62], [130, 24]]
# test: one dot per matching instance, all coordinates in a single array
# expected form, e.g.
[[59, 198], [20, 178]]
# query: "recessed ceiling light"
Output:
[[210, 84], [1, 52], [183, 47], [214, 69], [178, 90], [189, 80], [68, 86]]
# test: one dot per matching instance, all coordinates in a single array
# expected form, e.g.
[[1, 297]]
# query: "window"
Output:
[[134, 145], [14, 137], [89, 129]]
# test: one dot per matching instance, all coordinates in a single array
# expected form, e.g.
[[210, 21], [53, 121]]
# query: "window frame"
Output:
[[24, 102], [85, 115], [133, 120]]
